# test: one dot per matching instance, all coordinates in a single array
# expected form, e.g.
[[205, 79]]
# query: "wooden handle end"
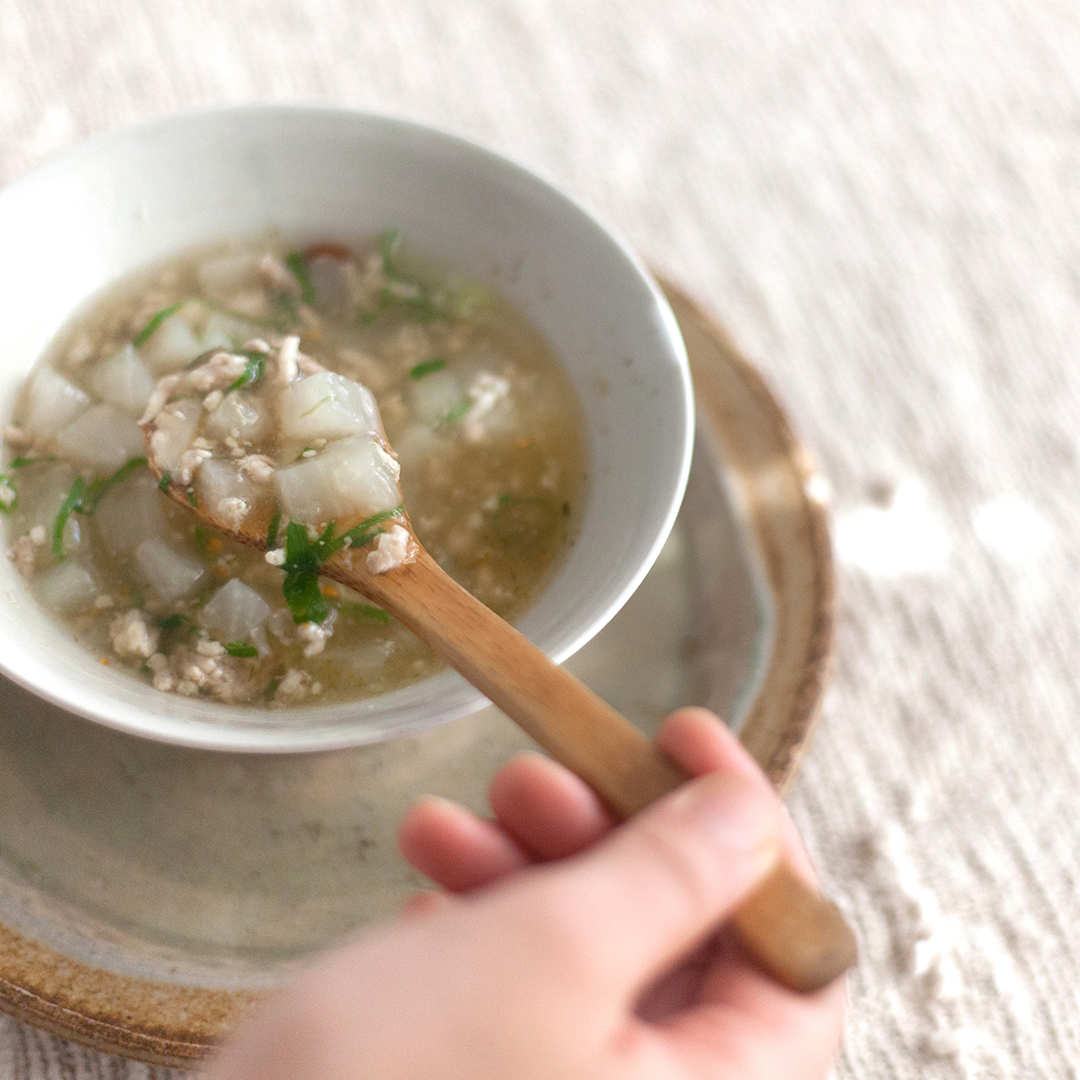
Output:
[[794, 933]]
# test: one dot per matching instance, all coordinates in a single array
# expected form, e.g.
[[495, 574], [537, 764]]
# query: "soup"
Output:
[[484, 425]]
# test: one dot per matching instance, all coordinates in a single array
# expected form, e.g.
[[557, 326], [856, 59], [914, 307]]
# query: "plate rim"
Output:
[[123, 1014]]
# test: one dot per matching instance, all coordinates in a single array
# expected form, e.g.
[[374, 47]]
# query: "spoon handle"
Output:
[[791, 930]]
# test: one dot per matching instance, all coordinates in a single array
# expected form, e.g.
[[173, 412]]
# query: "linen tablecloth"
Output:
[[882, 203]]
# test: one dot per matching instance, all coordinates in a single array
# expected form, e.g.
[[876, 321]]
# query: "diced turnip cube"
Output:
[[170, 573], [326, 406], [41, 491], [131, 513], [235, 612], [236, 416], [171, 346], [218, 482], [123, 381], [438, 396], [102, 437], [352, 477], [52, 403], [66, 588], [175, 429]]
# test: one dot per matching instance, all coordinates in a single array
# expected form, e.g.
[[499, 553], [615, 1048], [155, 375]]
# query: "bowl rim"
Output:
[[311, 733]]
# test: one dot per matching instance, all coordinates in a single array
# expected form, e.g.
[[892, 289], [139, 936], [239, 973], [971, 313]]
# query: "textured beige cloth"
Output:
[[882, 202]]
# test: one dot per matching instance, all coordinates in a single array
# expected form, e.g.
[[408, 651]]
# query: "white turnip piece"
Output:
[[169, 573], [52, 403], [235, 612], [352, 477], [327, 406], [103, 437]]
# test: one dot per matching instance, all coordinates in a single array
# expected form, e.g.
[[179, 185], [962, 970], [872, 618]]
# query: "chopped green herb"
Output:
[[202, 537], [359, 612], [301, 585], [421, 307], [252, 372], [459, 412], [428, 367], [164, 482], [388, 243], [304, 556], [83, 498], [318, 405], [302, 594], [98, 488], [288, 309], [22, 462], [148, 331], [406, 294], [174, 628], [365, 532], [72, 502], [297, 265], [9, 496], [271, 533], [527, 521], [191, 498], [241, 648]]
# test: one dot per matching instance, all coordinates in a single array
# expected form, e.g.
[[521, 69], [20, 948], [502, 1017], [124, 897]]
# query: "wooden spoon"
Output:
[[791, 930]]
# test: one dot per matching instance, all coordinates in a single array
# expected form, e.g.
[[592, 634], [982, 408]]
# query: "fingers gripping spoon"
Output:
[[793, 932]]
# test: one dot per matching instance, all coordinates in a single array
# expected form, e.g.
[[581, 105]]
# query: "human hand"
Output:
[[565, 948]]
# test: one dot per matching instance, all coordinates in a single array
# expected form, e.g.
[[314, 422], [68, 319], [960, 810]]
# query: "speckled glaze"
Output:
[[150, 893]]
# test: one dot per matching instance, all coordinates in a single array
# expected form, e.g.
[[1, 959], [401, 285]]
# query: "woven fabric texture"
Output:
[[881, 200]]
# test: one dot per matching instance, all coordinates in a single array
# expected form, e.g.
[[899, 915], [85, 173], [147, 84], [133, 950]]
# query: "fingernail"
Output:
[[735, 814]]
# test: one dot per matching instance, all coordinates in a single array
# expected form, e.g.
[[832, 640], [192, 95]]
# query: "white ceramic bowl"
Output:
[[138, 196]]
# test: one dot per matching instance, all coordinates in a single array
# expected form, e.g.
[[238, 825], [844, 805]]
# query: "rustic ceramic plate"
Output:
[[148, 893]]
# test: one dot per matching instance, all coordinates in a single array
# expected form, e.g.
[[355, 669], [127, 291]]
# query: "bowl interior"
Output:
[[139, 196]]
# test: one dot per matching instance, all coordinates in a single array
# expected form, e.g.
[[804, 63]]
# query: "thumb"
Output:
[[659, 883]]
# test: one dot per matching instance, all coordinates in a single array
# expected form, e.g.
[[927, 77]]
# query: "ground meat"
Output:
[[286, 366], [218, 373], [208, 671], [390, 551], [23, 554], [131, 635], [259, 467], [190, 461], [233, 510], [314, 636], [295, 686]]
